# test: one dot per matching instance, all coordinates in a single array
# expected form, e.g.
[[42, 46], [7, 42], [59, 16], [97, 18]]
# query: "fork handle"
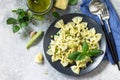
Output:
[[115, 54], [111, 45]]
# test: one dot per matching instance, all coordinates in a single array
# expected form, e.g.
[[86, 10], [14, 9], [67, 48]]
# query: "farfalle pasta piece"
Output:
[[77, 20], [70, 24], [98, 36], [75, 69], [92, 30], [84, 25], [59, 24], [55, 58], [64, 63]]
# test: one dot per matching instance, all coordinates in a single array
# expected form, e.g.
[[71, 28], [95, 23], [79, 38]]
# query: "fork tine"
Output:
[[105, 12], [106, 9]]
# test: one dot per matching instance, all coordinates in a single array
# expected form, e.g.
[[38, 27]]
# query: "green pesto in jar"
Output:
[[38, 5]]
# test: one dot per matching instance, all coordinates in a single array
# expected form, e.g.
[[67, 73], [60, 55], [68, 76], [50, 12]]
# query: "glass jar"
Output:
[[39, 7]]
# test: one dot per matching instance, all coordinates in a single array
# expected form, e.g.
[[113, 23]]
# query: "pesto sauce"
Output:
[[39, 5]]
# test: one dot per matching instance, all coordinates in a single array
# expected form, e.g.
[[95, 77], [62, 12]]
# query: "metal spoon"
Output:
[[95, 8]]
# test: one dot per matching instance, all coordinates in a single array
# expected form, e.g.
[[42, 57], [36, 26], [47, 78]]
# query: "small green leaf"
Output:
[[49, 47], [94, 52], [81, 57], [22, 13], [55, 14], [14, 10], [11, 21], [18, 11], [30, 14], [85, 47], [15, 28], [51, 36], [24, 24], [20, 18], [26, 18], [73, 2], [73, 55]]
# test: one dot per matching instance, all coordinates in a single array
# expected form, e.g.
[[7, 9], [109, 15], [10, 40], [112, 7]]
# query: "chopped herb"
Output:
[[51, 36], [49, 47], [55, 14]]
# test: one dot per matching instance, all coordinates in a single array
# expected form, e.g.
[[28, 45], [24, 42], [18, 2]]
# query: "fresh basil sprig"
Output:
[[85, 53], [23, 17]]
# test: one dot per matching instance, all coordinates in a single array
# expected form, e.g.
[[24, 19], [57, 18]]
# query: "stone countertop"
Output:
[[17, 63]]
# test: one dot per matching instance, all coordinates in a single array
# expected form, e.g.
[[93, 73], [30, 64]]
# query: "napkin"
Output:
[[114, 22]]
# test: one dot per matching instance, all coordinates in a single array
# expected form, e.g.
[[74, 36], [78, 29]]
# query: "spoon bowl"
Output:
[[95, 7]]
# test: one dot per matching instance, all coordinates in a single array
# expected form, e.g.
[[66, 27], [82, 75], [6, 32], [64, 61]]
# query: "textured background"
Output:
[[17, 63]]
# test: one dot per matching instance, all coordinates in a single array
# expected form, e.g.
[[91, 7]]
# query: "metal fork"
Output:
[[105, 17]]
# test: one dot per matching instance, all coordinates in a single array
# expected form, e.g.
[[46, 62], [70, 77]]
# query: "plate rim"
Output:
[[78, 14]]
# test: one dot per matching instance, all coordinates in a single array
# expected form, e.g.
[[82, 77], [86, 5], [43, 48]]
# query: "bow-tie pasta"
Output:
[[69, 39]]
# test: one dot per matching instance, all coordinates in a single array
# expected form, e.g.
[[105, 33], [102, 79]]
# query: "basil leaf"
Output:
[[26, 18], [15, 28], [30, 14], [24, 24], [22, 13], [20, 18], [85, 47], [55, 14], [11, 21], [18, 11], [73, 55], [73, 2], [94, 52], [81, 56]]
